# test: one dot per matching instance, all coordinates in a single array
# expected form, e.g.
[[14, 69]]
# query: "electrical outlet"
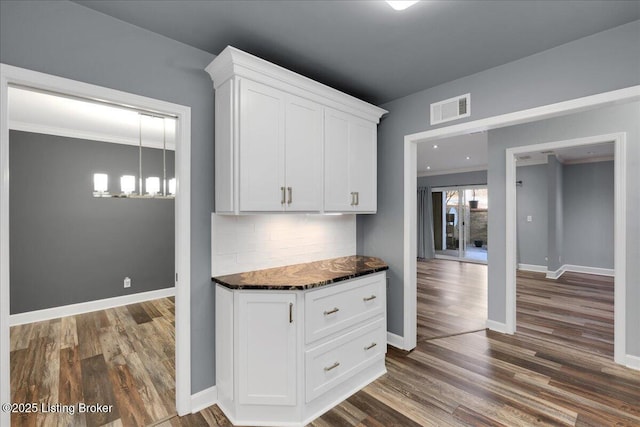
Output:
[[127, 282], [529, 218]]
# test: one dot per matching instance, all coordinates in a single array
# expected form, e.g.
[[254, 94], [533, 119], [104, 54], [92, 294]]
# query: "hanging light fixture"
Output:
[[100, 185], [128, 182]]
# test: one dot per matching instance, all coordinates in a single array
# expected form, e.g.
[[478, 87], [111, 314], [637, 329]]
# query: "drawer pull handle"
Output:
[[372, 297], [290, 312], [335, 310], [370, 346], [334, 366]]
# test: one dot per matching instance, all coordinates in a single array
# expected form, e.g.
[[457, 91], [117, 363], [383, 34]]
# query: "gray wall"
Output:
[[532, 200], [602, 62], [65, 39], [67, 246], [554, 214], [452, 179], [588, 238], [618, 118], [587, 215]]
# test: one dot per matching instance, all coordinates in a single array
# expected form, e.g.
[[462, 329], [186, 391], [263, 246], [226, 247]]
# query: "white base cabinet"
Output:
[[285, 357]]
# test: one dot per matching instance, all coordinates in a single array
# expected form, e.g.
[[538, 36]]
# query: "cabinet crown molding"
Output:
[[235, 62]]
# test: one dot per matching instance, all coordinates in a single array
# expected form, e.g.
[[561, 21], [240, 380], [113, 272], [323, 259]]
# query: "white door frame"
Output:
[[10, 75], [620, 227], [409, 338]]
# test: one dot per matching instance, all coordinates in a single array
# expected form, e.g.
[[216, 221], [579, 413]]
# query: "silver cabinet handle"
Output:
[[357, 198], [334, 310], [290, 312], [370, 346], [334, 366], [372, 297], [353, 198], [282, 200], [290, 191]]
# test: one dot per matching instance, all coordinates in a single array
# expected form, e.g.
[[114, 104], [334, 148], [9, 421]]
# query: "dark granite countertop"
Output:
[[304, 276]]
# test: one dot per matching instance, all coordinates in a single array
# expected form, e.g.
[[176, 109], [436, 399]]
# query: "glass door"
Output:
[[460, 223], [476, 215]]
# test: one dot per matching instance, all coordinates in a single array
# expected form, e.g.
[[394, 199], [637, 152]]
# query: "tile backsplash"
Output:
[[252, 242]]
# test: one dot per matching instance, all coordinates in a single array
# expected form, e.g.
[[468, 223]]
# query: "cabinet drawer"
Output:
[[334, 362], [331, 309]]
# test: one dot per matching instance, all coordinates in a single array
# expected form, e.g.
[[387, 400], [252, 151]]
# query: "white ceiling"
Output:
[[581, 154], [366, 48], [451, 154], [40, 112]]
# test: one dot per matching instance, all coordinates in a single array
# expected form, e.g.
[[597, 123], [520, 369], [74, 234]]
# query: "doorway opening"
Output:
[[40, 82]]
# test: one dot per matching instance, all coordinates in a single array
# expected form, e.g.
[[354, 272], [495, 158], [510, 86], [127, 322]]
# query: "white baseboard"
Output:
[[395, 340], [86, 307], [632, 362], [580, 269], [589, 270], [204, 399], [554, 275], [533, 267], [497, 326]]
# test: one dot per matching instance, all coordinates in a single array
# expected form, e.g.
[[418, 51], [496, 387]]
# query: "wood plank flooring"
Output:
[[452, 298], [480, 378], [121, 357]]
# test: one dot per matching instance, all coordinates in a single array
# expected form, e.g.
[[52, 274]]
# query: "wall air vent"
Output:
[[451, 109]]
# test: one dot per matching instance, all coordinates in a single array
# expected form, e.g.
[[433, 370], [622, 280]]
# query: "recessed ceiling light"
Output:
[[468, 158], [435, 146], [401, 4], [428, 167]]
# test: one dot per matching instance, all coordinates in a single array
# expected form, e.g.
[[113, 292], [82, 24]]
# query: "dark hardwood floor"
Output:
[[557, 370]]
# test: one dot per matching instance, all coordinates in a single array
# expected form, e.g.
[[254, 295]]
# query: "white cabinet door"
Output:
[[336, 162], [303, 154], [350, 163], [267, 349], [363, 165], [261, 147]]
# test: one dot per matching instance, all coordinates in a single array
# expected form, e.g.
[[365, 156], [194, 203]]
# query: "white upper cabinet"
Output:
[[350, 178], [261, 148], [285, 143]]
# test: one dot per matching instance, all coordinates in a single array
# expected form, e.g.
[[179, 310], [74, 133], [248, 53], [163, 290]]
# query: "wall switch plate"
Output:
[[529, 218], [127, 282]]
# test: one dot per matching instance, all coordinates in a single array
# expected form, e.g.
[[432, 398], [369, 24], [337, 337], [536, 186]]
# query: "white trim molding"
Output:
[[395, 340], [11, 75], [496, 326], [519, 117], [554, 275], [203, 399], [533, 267], [632, 362], [578, 269], [87, 307]]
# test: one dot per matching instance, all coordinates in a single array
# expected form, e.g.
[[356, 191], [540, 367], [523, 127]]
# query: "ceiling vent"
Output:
[[451, 109]]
